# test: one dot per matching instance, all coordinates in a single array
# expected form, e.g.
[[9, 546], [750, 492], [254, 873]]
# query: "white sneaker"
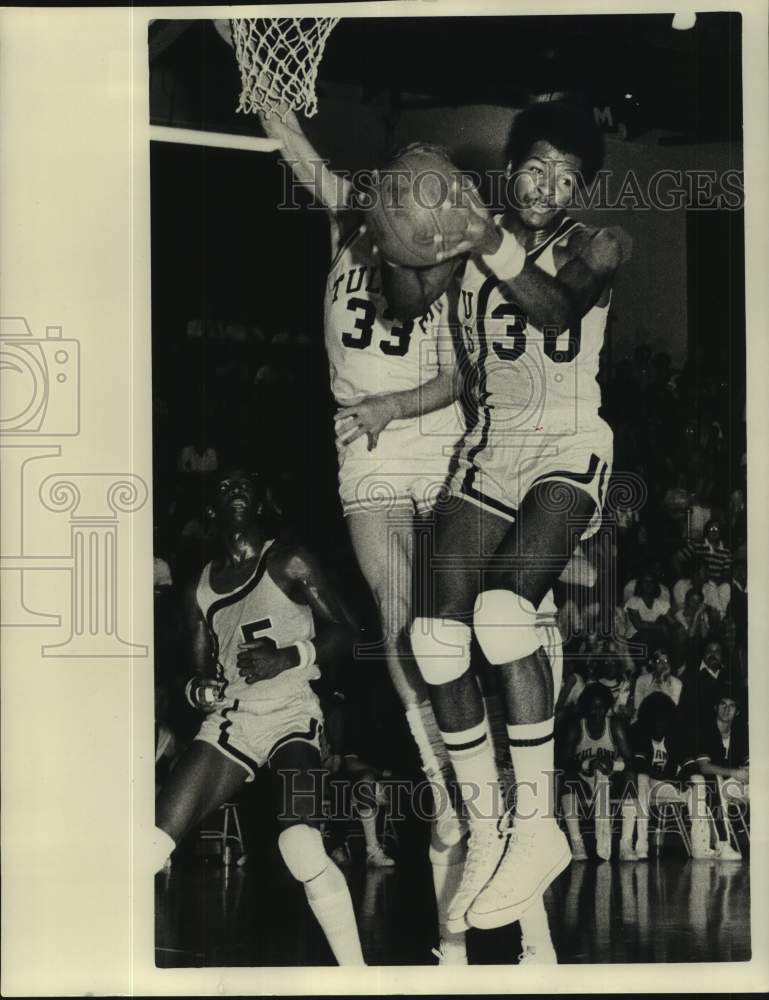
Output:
[[603, 841], [704, 853], [377, 857], [451, 953], [537, 853], [485, 849], [641, 851], [727, 853], [578, 850], [542, 955]]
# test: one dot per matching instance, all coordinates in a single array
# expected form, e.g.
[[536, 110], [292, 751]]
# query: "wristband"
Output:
[[306, 650], [618, 765], [585, 766], [507, 262], [210, 692]]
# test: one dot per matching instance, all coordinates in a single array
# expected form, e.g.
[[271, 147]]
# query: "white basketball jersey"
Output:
[[257, 608], [369, 351], [545, 380], [587, 747]]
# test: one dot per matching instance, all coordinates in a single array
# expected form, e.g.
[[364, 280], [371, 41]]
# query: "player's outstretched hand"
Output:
[[369, 415], [261, 659], [481, 234], [607, 249]]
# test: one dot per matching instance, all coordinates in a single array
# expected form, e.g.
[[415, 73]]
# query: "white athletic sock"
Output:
[[531, 750], [472, 757], [330, 901], [432, 751], [628, 821], [368, 822], [161, 849], [535, 928], [447, 865]]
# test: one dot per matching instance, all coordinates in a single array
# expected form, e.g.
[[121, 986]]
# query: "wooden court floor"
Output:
[[666, 909]]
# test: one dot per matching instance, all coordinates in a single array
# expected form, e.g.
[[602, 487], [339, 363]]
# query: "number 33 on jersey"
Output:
[[370, 351]]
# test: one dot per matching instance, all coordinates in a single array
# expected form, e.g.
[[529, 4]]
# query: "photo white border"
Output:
[[77, 735]]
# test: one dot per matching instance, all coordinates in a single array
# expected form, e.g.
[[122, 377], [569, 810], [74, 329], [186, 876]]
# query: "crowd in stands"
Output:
[[652, 609]]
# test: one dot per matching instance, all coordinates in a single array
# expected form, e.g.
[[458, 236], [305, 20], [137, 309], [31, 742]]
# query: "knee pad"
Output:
[[505, 626], [441, 647], [302, 850]]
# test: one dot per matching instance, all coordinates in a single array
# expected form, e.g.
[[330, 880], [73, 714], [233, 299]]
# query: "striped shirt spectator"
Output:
[[710, 553]]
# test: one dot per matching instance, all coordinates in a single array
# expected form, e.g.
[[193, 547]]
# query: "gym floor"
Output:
[[666, 909]]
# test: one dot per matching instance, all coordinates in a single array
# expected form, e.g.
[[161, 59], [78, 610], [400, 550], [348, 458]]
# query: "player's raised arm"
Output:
[[330, 189], [592, 257]]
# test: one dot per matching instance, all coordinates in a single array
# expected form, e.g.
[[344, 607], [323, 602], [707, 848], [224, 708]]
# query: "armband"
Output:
[[306, 650], [507, 262]]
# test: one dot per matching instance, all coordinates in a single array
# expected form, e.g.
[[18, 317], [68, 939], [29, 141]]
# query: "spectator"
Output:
[[608, 668], [199, 457], [660, 677], [595, 754], [738, 605], [711, 553], [722, 758], [692, 628], [631, 587], [700, 684], [649, 612], [663, 768]]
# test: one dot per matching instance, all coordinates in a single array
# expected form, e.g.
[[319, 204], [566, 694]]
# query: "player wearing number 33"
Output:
[[260, 619], [533, 295]]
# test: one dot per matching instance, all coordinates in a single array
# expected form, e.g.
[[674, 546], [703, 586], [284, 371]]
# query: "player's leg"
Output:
[[202, 780], [448, 577], [366, 800], [383, 542], [297, 767], [508, 622], [535, 928]]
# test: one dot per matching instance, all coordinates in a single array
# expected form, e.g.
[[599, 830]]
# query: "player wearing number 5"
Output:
[[534, 291], [260, 619], [397, 427]]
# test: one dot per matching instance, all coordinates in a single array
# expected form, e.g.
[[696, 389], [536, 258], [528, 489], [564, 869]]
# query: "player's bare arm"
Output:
[[328, 188], [297, 573], [587, 265], [371, 414], [621, 741], [200, 650]]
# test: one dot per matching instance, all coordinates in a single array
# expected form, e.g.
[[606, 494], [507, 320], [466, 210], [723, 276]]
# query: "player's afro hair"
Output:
[[595, 690], [567, 128], [657, 705]]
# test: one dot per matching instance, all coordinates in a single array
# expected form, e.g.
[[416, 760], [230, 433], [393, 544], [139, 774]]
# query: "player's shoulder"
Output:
[[292, 559]]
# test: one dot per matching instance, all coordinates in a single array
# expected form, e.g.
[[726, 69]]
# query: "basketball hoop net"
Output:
[[278, 59]]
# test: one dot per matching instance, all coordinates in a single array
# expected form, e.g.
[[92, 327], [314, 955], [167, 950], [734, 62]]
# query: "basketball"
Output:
[[407, 215]]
